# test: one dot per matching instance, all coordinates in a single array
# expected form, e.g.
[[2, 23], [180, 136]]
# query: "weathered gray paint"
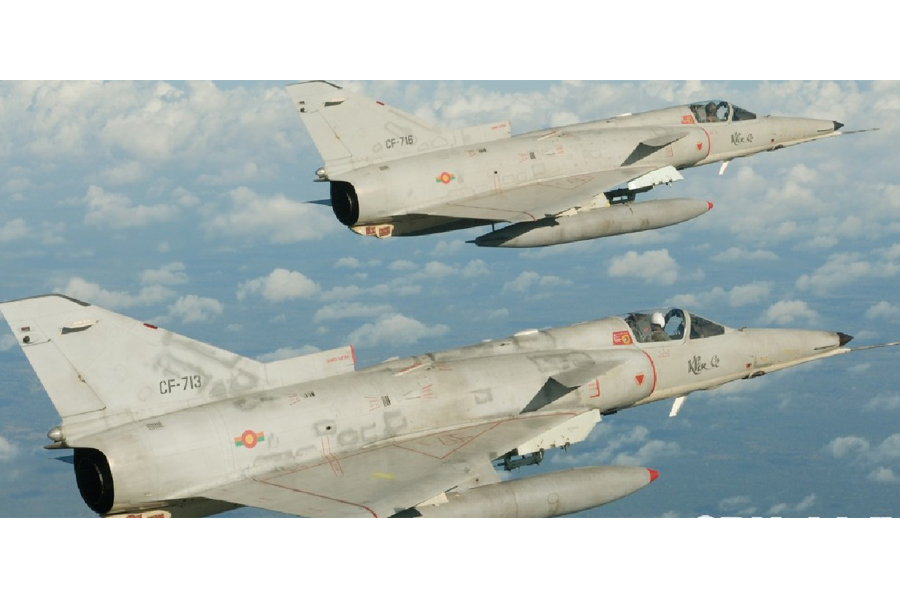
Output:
[[414, 178], [332, 441]]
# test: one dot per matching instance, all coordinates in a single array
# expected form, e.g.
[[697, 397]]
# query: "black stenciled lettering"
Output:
[[696, 364]]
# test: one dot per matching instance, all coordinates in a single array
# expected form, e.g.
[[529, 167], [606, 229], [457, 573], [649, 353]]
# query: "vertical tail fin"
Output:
[[97, 364], [90, 360], [350, 130]]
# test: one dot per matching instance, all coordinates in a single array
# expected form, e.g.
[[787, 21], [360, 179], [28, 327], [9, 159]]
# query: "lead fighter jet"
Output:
[[162, 425], [392, 174]]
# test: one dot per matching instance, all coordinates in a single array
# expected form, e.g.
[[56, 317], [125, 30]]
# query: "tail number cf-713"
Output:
[[188, 382]]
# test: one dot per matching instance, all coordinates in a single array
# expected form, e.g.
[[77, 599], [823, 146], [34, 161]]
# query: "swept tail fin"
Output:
[[351, 131], [96, 364]]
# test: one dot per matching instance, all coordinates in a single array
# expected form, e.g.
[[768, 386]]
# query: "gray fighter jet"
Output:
[[162, 425], [392, 174]]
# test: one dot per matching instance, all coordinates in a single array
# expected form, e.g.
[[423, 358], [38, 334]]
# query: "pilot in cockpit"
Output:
[[711, 113], [657, 331]]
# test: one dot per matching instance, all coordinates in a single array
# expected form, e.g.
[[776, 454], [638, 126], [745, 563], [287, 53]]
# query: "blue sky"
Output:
[[182, 204], [783, 245]]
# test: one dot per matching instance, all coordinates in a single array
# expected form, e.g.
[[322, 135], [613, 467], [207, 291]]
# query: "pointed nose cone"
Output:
[[837, 125], [653, 475], [844, 339]]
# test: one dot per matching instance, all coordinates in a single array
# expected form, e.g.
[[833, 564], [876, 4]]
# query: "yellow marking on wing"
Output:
[[383, 475]]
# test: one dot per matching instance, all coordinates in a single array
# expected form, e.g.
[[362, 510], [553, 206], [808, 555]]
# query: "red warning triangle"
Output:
[[639, 378], [699, 145]]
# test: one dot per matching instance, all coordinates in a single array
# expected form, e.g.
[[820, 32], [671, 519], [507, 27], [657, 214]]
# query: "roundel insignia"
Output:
[[249, 439], [445, 178]]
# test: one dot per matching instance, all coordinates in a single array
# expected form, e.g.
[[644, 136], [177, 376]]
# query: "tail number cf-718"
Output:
[[403, 140]]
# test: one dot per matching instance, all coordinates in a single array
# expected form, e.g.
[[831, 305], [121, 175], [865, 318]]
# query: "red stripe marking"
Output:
[[290, 489], [708, 143], [652, 364]]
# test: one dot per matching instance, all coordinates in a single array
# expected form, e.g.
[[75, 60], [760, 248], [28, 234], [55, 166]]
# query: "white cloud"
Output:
[[185, 198], [887, 450], [802, 506], [13, 230], [119, 212], [123, 173], [51, 233], [475, 268], [352, 310], [858, 448], [393, 330], [843, 447], [443, 248], [742, 295], [275, 218], [212, 129], [653, 266], [859, 368], [280, 285], [401, 264], [348, 262], [846, 268], [7, 342], [285, 353], [751, 293], [529, 280], [7, 449], [88, 291], [883, 475], [496, 314], [437, 270], [888, 401], [632, 447], [233, 175], [648, 453], [884, 311], [171, 274], [786, 312], [733, 502], [396, 287], [194, 309], [746, 256]]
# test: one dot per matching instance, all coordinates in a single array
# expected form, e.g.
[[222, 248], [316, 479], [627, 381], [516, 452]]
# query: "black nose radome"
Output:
[[837, 125], [844, 339]]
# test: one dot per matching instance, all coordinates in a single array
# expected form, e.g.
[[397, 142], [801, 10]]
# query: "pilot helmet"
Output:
[[658, 319]]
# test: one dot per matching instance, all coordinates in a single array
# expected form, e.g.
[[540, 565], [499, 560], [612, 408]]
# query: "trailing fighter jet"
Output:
[[392, 174], [162, 425]]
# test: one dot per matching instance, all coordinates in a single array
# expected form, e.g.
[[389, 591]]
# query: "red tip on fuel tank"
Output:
[[653, 475], [710, 205]]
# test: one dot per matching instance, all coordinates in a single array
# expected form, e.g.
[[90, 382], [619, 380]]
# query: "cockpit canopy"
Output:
[[719, 111], [669, 324]]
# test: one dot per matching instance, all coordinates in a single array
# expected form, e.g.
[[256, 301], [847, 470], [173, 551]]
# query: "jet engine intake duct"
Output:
[[345, 202], [94, 478]]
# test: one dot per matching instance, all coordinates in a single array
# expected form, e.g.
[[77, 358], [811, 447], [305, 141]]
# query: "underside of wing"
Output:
[[539, 200], [383, 481]]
